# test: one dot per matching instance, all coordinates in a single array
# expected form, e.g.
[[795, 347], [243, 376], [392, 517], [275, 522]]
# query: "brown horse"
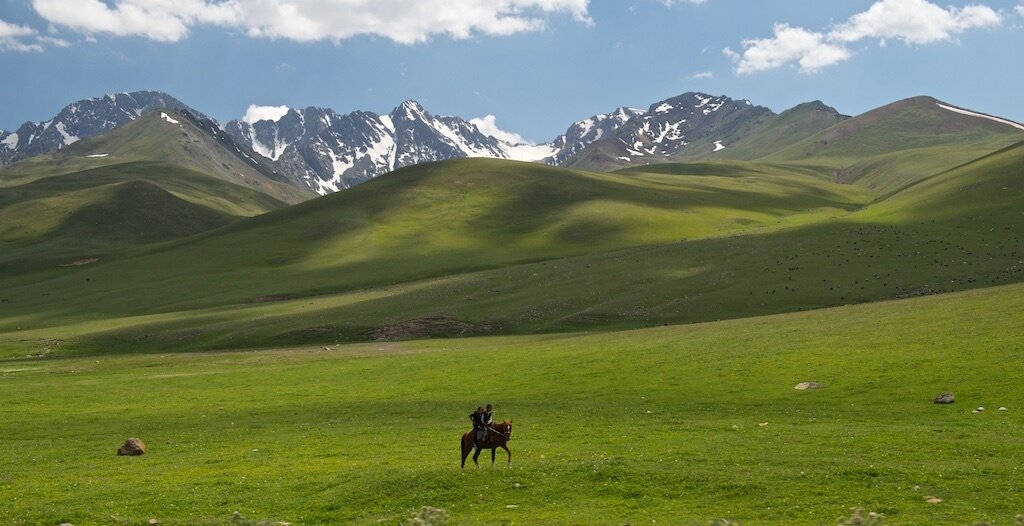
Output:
[[497, 436]]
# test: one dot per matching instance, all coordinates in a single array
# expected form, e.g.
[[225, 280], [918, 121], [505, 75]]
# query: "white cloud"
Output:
[[18, 38], [916, 22], [488, 126], [789, 44], [703, 75], [404, 21], [1020, 9], [264, 113], [669, 3]]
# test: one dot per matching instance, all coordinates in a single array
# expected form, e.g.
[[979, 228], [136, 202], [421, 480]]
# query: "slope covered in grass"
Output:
[[435, 220], [781, 132], [175, 299], [113, 209], [166, 137], [893, 146], [660, 425]]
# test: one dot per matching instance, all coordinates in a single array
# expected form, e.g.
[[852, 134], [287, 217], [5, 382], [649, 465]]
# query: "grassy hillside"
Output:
[[898, 144], [153, 138], [660, 426], [108, 210], [428, 221], [783, 131], [481, 268]]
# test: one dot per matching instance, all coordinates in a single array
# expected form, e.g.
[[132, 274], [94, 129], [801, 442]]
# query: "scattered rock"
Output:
[[976, 411], [66, 524], [132, 447], [980, 409], [932, 500], [1003, 409], [512, 506], [153, 522], [945, 398], [805, 386], [763, 424]]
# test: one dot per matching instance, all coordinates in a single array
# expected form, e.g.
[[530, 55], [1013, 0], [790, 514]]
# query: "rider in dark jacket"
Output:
[[479, 428], [488, 416]]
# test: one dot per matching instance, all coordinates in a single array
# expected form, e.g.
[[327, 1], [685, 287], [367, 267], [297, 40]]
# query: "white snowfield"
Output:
[[529, 152], [983, 116], [167, 118], [11, 141], [719, 146], [97, 155]]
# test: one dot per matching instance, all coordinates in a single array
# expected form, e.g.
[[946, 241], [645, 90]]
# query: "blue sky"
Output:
[[537, 66]]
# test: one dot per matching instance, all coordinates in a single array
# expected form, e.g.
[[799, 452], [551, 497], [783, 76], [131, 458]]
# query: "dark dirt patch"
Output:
[[431, 327], [270, 298]]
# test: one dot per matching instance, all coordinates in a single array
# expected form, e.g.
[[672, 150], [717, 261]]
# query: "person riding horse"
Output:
[[482, 420], [479, 425]]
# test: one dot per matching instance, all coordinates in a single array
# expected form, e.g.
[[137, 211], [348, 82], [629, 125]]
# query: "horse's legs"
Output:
[[465, 453], [476, 456], [503, 446], [492, 455]]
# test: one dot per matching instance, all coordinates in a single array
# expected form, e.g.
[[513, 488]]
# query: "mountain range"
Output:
[[320, 150], [324, 151], [695, 209]]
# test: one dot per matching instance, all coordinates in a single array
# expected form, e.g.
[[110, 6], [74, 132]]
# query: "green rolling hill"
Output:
[[895, 145], [483, 246], [167, 137]]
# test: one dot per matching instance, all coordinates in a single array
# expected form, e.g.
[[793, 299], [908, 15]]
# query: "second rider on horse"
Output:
[[482, 421]]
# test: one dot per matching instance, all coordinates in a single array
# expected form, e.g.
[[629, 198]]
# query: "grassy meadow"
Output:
[[661, 425]]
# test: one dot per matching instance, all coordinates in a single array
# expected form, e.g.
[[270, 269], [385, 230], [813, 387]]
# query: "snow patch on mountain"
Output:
[[68, 138], [11, 141], [530, 152], [168, 118], [983, 116]]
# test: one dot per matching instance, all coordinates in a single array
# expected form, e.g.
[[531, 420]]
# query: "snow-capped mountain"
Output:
[[325, 151], [584, 133], [322, 150], [82, 119], [689, 123]]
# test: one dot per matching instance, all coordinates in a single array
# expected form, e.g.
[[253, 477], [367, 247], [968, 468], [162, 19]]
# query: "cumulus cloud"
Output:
[[915, 22], [18, 38], [488, 126], [264, 113], [404, 21], [703, 75], [1020, 10], [789, 44]]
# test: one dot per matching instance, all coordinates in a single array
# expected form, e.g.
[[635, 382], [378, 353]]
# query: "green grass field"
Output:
[[630, 427], [645, 329]]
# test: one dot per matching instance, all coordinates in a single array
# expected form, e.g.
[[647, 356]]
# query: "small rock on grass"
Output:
[[945, 398], [1003, 409], [807, 386], [153, 522], [132, 447], [932, 499]]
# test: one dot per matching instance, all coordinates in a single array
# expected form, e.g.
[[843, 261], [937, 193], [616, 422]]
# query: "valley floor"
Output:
[[676, 425]]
